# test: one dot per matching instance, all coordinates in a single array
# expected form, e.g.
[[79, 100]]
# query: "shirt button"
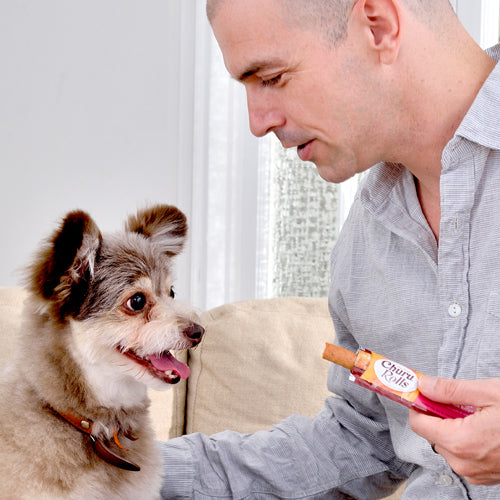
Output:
[[445, 479], [454, 310]]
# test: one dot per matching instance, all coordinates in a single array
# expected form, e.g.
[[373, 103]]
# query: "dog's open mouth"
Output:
[[163, 366]]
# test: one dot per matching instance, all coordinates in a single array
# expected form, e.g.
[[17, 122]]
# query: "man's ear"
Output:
[[382, 19]]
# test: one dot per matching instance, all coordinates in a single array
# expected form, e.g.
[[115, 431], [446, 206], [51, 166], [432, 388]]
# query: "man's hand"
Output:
[[471, 445]]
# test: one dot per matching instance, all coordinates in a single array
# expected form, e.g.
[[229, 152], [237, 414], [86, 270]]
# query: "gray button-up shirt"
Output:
[[433, 308]]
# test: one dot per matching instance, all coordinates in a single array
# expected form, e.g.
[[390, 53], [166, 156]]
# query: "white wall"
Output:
[[89, 114]]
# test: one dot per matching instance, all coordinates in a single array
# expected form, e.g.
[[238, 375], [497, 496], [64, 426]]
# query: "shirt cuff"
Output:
[[177, 469]]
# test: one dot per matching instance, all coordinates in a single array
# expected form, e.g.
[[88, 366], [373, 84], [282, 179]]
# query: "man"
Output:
[[398, 86]]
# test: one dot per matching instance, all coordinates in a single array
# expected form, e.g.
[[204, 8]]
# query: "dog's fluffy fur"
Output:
[[101, 308]]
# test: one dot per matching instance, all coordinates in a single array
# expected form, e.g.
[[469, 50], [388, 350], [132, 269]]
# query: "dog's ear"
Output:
[[62, 271], [165, 225]]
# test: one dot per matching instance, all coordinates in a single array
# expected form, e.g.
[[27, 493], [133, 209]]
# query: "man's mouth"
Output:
[[304, 150]]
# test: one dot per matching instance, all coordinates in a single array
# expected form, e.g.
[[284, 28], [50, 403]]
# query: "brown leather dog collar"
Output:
[[98, 444]]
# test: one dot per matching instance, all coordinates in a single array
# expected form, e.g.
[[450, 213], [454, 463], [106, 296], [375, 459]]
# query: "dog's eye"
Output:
[[137, 302], [172, 293]]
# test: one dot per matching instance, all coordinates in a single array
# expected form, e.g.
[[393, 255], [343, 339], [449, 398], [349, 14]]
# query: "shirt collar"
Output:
[[481, 124]]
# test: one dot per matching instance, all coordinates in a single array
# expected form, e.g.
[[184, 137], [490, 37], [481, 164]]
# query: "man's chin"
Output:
[[331, 174], [335, 175]]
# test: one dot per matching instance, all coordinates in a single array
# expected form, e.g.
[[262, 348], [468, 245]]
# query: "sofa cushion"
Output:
[[260, 361]]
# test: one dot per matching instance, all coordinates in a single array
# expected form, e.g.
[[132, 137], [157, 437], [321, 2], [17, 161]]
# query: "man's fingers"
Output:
[[434, 429], [477, 393], [470, 445]]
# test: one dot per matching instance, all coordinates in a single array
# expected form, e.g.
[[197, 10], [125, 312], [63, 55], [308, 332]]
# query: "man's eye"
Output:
[[271, 81], [137, 302]]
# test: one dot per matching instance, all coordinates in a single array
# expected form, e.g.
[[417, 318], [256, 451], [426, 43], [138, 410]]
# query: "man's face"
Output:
[[312, 96]]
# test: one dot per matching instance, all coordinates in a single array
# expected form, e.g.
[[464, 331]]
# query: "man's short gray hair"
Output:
[[330, 17]]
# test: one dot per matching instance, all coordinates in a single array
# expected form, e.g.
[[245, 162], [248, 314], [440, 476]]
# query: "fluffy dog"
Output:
[[99, 326]]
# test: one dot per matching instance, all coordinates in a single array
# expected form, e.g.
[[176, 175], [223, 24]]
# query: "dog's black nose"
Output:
[[194, 332]]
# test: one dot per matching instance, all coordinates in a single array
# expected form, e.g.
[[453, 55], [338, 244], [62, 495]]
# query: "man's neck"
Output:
[[449, 94], [431, 206]]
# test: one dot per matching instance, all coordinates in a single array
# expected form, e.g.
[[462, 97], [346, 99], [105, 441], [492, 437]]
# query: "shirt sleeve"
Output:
[[340, 453]]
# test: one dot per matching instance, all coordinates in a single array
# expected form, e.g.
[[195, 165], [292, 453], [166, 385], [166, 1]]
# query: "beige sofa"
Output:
[[260, 361]]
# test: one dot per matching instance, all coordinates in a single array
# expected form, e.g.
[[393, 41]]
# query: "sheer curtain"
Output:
[[262, 222], [220, 173]]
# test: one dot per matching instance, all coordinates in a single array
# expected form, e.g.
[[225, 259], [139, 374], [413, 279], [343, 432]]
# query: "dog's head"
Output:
[[115, 293]]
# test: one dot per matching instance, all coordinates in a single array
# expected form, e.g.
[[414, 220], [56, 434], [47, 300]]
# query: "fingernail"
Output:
[[427, 383]]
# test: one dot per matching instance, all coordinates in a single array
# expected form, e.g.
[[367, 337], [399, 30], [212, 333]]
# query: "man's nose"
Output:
[[264, 115]]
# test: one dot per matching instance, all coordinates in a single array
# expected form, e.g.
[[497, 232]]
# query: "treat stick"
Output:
[[390, 379], [339, 356]]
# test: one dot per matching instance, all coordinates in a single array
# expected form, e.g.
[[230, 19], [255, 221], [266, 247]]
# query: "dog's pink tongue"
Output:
[[166, 362]]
